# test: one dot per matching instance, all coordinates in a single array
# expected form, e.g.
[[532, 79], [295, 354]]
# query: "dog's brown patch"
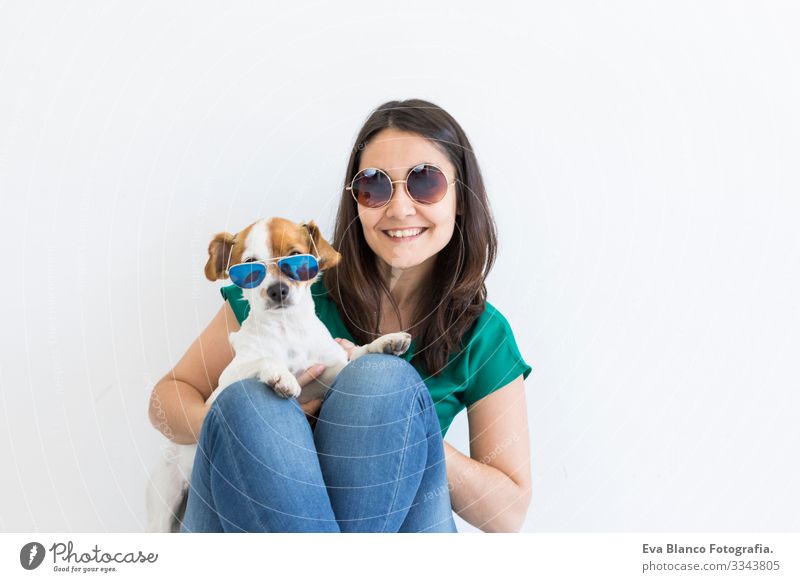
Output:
[[287, 237], [224, 250]]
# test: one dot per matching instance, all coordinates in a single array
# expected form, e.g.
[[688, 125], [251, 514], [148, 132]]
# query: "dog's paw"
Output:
[[282, 381], [392, 343]]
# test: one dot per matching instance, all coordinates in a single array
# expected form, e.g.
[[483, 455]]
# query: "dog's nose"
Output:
[[278, 291]]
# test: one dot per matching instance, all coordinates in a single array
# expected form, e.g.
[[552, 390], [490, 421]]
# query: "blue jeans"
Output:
[[373, 463]]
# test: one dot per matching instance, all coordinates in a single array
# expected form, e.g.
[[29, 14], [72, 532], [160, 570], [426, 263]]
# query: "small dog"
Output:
[[275, 261]]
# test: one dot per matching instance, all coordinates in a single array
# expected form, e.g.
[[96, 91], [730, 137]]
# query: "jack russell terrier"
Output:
[[275, 261]]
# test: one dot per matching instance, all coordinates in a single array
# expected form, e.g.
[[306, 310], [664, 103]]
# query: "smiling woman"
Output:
[[407, 225], [436, 276], [417, 244]]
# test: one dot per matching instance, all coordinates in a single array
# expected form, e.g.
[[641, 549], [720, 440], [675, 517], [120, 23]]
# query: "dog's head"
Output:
[[264, 241]]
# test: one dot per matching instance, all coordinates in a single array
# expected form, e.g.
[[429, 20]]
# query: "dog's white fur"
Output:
[[275, 344]]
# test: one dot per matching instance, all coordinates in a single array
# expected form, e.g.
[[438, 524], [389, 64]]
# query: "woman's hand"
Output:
[[311, 408], [347, 346]]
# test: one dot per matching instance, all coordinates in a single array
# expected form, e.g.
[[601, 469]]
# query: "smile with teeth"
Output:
[[409, 233]]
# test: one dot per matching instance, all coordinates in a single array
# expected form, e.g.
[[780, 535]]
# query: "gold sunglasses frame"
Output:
[[393, 182]]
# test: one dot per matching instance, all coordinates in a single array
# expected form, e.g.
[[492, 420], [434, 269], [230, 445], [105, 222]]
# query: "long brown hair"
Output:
[[457, 293]]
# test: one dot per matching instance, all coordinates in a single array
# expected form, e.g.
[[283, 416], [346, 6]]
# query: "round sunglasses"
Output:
[[251, 274], [425, 183]]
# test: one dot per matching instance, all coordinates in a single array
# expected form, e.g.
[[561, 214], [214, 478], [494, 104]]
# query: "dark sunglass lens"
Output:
[[299, 267], [247, 275], [427, 184], [372, 188]]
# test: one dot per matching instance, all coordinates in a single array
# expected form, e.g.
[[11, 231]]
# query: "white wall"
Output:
[[641, 159]]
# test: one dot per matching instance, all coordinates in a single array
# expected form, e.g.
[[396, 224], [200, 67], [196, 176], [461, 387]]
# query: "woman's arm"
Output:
[[491, 489], [178, 401]]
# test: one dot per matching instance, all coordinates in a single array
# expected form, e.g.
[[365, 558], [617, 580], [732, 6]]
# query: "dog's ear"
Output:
[[328, 255], [219, 255]]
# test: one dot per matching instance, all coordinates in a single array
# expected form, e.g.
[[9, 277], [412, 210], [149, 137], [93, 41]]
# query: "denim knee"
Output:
[[378, 374], [245, 400]]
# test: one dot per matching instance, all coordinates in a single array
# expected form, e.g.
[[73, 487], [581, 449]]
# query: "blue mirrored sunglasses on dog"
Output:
[[251, 274]]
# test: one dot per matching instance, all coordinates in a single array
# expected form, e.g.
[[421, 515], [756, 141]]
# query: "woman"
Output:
[[417, 241]]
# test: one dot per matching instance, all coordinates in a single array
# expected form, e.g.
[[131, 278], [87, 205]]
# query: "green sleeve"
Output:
[[494, 358], [233, 295], [319, 295]]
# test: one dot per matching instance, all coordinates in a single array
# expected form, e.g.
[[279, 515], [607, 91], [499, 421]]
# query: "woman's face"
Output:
[[396, 152]]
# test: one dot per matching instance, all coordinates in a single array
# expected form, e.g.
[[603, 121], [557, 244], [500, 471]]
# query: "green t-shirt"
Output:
[[489, 361]]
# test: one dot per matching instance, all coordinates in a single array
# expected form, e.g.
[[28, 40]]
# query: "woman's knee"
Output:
[[248, 399], [378, 374]]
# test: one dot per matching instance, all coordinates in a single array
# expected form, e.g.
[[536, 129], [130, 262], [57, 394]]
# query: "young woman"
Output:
[[417, 240]]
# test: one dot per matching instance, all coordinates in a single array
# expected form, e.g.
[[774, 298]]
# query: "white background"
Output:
[[641, 160]]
